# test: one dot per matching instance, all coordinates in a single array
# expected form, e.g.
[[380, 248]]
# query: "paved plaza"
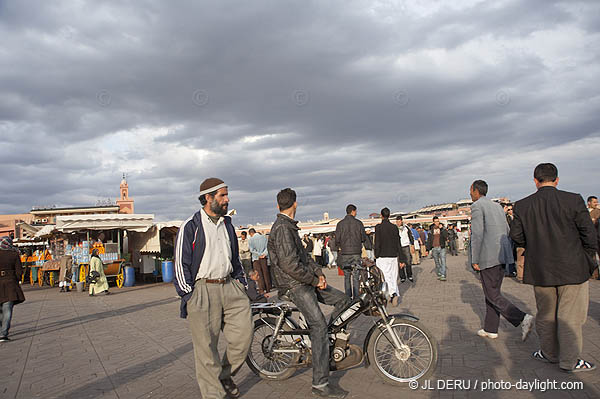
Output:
[[132, 344]]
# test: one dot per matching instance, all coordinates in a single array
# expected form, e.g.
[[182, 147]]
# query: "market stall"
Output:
[[78, 235], [34, 253], [153, 247]]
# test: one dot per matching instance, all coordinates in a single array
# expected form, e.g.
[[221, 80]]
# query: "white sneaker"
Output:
[[485, 334], [526, 326]]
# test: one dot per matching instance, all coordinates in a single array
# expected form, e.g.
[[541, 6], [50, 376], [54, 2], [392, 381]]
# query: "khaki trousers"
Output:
[[416, 259], [561, 312], [213, 308]]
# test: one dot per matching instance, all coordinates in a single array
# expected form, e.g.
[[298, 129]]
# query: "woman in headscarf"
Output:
[[101, 283], [10, 290]]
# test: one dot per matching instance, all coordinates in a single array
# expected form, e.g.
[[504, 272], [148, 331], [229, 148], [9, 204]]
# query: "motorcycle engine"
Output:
[[339, 349]]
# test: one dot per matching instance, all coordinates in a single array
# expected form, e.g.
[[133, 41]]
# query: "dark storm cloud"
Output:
[[365, 102]]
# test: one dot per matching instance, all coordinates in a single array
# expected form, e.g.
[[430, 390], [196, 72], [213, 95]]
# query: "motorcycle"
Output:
[[397, 345]]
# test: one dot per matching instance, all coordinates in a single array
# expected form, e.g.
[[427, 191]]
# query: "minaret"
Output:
[[125, 203]]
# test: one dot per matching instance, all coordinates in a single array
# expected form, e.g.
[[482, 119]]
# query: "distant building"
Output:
[[8, 223], [24, 226]]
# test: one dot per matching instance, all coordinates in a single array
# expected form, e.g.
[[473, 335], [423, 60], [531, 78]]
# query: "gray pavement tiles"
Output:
[[132, 344]]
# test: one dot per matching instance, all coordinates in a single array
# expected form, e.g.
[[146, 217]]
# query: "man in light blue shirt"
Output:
[[258, 248]]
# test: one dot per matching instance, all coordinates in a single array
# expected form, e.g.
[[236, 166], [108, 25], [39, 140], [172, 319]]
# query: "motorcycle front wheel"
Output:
[[416, 361], [268, 365]]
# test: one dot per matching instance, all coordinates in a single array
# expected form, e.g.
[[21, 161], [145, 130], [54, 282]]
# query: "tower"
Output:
[[125, 203]]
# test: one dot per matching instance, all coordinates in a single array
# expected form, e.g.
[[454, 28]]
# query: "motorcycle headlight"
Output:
[[385, 290]]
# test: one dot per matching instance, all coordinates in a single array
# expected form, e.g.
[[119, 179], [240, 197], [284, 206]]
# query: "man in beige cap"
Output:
[[210, 280]]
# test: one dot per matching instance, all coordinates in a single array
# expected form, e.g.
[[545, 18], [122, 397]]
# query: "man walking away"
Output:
[[491, 249], [407, 246], [558, 235], [303, 281], [388, 253], [350, 236], [210, 280], [258, 248], [436, 243]]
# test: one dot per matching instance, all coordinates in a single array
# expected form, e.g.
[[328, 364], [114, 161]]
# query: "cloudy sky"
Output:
[[379, 103]]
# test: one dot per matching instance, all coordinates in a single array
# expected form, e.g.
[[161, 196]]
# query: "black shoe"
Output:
[[411, 279], [106, 292], [4, 339], [231, 390], [329, 391], [402, 280]]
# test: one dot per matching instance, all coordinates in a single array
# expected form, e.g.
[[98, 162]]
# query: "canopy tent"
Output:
[[149, 241], [132, 222]]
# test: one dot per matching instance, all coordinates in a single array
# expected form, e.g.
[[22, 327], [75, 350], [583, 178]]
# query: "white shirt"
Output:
[[216, 262], [317, 249], [404, 232]]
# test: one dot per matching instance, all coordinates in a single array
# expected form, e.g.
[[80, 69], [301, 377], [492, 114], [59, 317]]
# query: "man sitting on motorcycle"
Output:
[[299, 277]]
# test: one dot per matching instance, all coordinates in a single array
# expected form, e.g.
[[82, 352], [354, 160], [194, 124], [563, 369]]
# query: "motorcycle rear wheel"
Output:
[[274, 366], [389, 363]]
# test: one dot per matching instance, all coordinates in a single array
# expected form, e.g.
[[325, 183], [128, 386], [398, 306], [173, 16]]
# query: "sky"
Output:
[[376, 103]]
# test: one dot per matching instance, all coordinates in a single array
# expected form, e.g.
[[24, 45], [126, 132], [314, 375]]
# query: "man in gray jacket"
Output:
[[490, 250]]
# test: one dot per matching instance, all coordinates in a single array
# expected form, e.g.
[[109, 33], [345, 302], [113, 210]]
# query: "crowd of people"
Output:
[[550, 239]]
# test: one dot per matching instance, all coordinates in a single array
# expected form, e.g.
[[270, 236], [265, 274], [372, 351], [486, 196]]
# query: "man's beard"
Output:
[[217, 209]]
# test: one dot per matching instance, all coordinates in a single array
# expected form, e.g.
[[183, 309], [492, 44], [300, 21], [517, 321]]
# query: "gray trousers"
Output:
[[213, 308], [561, 312]]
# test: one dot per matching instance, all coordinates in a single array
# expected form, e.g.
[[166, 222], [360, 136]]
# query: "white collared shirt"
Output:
[[216, 262]]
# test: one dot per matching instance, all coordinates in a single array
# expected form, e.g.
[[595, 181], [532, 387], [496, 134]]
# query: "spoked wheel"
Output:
[[120, 279], [269, 365], [416, 359], [40, 277]]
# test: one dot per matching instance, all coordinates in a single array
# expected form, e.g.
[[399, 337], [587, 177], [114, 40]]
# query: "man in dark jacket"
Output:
[[210, 280], [308, 244], [369, 244], [436, 243], [10, 291], [388, 253], [298, 276], [559, 238], [350, 236]]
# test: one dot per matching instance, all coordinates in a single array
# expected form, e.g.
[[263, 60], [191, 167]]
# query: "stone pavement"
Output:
[[132, 344]]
